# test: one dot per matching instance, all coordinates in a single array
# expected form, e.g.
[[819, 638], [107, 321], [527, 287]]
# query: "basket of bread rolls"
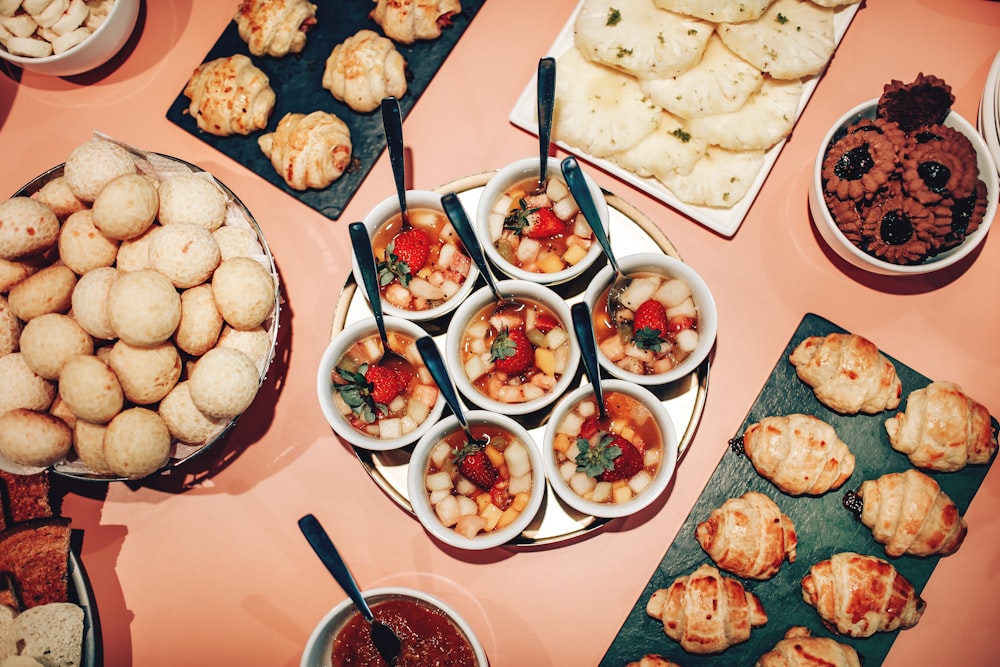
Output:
[[138, 314]]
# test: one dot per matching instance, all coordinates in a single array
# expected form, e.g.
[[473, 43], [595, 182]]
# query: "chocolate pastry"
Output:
[[925, 101], [858, 165]]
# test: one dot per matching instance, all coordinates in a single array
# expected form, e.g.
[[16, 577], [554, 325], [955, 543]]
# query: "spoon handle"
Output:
[[392, 123], [460, 221], [435, 365], [362, 245], [581, 193], [546, 98], [588, 349], [321, 543]]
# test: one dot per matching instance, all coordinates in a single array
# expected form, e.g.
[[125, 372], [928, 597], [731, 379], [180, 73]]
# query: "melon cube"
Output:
[[622, 493], [639, 290], [447, 511], [612, 348], [574, 254], [640, 481], [602, 492], [521, 484], [491, 515], [581, 483], [685, 308], [687, 339], [672, 292], [390, 428], [550, 263], [517, 459], [545, 360], [438, 481], [470, 525]]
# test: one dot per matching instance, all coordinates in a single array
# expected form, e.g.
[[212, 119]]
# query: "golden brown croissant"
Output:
[[800, 454], [847, 373], [706, 612], [910, 514], [363, 69], [858, 595], [230, 96], [308, 151], [748, 536], [942, 429], [406, 21], [652, 660], [275, 27], [800, 649]]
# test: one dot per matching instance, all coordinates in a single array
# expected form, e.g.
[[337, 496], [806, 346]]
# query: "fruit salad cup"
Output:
[[373, 400], [476, 495], [516, 356], [539, 237], [612, 466], [424, 270], [665, 326]]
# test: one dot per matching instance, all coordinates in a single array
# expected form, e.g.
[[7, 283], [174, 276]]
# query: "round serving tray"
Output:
[[630, 231]]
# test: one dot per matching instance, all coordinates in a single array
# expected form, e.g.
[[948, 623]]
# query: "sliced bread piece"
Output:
[[51, 633]]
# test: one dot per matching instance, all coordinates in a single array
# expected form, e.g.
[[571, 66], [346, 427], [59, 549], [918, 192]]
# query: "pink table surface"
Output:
[[207, 565]]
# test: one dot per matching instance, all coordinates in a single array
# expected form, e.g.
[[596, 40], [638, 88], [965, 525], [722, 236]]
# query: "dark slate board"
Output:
[[297, 82], [823, 525]]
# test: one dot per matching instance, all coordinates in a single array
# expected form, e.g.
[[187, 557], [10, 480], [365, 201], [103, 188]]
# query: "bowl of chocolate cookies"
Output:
[[903, 184]]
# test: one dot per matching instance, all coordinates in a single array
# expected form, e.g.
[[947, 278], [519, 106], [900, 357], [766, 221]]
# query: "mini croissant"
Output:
[[406, 21], [308, 151], [652, 660], [942, 429], [847, 373], [800, 454], [275, 27], [910, 514], [230, 96], [748, 536], [363, 69], [858, 595], [706, 612], [800, 649]]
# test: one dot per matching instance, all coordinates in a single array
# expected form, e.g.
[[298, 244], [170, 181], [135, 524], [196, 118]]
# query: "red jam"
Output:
[[429, 638]]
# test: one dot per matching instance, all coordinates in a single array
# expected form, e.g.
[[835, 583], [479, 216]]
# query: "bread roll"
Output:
[[92, 164], [57, 195], [143, 307], [146, 373], [126, 207], [33, 439], [90, 302], [88, 442], [136, 443], [224, 383], [82, 246], [184, 420], [90, 389], [49, 340], [21, 387], [185, 253], [27, 228], [244, 291], [192, 199], [10, 328], [201, 322], [47, 291]]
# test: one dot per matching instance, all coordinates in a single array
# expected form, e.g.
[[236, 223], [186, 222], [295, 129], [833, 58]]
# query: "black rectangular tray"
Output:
[[297, 82], [823, 525]]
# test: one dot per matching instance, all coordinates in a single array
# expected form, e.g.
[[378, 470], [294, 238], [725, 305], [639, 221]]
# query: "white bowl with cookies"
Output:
[[129, 355], [59, 38]]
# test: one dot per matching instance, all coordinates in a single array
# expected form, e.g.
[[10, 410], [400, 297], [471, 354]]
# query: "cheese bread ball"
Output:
[[244, 292], [92, 164], [224, 382], [49, 340], [50, 290], [34, 439], [192, 199], [90, 301], [185, 253], [143, 307], [235, 241], [88, 442], [14, 271], [90, 389], [146, 373], [82, 246], [10, 328], [133, 254], [27, 228], [200, 323], [126, 207], [255, 343], [136, 443], [60, 410], [21, 387], [57, 195], [184, 420]]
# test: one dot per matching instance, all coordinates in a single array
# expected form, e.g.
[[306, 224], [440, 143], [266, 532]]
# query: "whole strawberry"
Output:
[[387, 383], [612, 458], [369, 389], [475, 465], [650, 326], [512, 352], [535, 223], [406, 254]]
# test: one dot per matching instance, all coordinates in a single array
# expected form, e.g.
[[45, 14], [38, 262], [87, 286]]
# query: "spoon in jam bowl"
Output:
[[588, 351], [467, 235], [581, 193], [386, 641], [439, 372], [546, 93], [392, 124], [362, 245]]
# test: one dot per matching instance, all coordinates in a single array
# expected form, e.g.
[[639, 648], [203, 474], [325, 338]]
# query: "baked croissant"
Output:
[[406, 21], [800, 649], [363, 69], [942, 429], [858, 595], [909, 513], [847, 373], [652, 660], [748, 536], [800, 454], [230, 96], [308, 151], [706, 612], [275, 27]]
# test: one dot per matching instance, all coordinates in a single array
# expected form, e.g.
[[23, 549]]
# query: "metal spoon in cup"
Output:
[[588, 351], [439, 372], [545, 93], [463, 227], [384, 638], [362, 245], [392, 124]]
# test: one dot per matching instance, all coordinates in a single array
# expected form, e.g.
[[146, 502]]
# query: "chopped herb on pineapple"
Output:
[[682, 134], [623, 52], [781, 18], [614, 16]]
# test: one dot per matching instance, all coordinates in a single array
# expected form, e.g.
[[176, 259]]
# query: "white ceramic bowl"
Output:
[[90, 54], [708, 318], [668, 463], [420, 499], [382, 213], [319, 647], [324, 384], [509, 176], [851, 253], [481, 299]]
